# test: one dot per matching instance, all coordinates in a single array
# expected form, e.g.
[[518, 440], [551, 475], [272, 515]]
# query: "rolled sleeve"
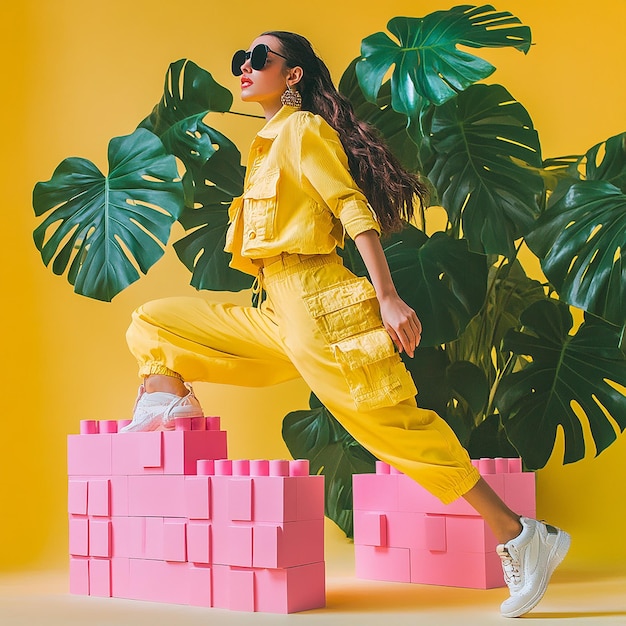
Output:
[[325, 172]]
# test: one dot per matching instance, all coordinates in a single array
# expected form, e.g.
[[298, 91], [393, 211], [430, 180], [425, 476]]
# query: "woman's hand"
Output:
[[399, 318], [401, 323]]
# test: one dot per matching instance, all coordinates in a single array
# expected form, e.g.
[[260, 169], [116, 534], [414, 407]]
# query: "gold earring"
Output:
[[291, 98]]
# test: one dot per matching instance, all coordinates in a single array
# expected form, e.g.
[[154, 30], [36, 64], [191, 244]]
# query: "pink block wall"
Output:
[[166, 517], [403, 533]]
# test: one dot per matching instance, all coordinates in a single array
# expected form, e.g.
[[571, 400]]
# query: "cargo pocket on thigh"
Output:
[[347, 315]]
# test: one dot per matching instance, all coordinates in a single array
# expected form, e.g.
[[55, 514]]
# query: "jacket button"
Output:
[[252, 235]]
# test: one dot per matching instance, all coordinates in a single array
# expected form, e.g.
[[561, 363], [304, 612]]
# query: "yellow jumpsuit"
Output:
[[318, 321]]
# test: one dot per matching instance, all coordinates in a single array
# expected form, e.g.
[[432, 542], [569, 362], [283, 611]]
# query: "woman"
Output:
[[311, 171]]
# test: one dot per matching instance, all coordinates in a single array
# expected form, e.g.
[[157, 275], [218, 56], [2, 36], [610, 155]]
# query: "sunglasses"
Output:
[[257, 56]]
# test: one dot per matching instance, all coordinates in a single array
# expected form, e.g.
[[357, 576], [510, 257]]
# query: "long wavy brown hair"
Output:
[[390, 189]]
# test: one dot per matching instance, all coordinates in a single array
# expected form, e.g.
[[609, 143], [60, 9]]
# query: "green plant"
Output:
[[501, 358]]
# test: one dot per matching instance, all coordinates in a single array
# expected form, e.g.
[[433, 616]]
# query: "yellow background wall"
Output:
[[76, 73]]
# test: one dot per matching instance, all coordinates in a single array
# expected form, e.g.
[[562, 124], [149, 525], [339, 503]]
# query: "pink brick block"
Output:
[[100, 538], [238, 546], [119, 495], [100, 578], [290, 590], [183, 449], [159, 581], [391, 564], [415, 498], [275, 498], [370, 528], [310, 497], [376, 492], [79, 575], [289, 544], [240, 499], [220, 490], [175, 540], [200, 585], [198, 497], [99, 498], [77, 497], [405, 530], [89, 455], [128, 537], [435, 531], [137, 453], [79, 536], [233, 588], [120, 578], [241, 592], [231, 544], [519, 492], [154, 539], [199, 542], [461, 569], [159, 496], [470, 534]]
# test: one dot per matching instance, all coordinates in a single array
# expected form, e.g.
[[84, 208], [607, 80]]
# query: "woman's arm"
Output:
[[399, 318]]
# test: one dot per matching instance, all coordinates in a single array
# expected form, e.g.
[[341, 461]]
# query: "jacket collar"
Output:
[[273, 127]]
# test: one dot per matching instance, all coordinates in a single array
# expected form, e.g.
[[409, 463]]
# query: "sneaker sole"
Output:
[[558, 553]]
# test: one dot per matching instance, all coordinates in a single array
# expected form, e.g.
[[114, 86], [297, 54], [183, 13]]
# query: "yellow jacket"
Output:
[[299, 196]]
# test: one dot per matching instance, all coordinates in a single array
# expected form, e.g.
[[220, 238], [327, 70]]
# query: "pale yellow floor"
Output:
[[40, 598]]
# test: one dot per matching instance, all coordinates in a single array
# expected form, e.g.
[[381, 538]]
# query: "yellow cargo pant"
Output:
[[322, 323]]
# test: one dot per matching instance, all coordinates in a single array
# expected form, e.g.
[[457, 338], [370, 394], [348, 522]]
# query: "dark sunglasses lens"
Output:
[[258, 57], [239, 58]]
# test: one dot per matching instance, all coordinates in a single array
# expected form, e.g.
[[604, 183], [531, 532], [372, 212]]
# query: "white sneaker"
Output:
[[528, 562], [158, 410]]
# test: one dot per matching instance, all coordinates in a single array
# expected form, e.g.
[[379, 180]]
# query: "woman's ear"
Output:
[[294, 75]]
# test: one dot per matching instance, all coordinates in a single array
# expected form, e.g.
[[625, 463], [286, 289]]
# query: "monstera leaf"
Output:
[[510, 291], [436, 276], [391, 125], [190, 92], [581, 238], [428, 65], [109, 227], [586, 370], [611, 166], [202, 250], [489, 440], [488, 196], [317, 436]]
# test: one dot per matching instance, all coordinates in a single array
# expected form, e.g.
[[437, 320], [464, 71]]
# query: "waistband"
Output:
[[282, 265]]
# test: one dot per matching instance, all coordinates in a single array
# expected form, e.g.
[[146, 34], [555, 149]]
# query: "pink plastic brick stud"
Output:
[[259, 468], [88, 427], [107, 426]]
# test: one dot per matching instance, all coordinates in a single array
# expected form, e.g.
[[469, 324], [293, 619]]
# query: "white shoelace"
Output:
[[510, 568]]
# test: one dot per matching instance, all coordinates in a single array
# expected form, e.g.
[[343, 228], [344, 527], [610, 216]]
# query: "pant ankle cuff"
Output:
[[158, 369]]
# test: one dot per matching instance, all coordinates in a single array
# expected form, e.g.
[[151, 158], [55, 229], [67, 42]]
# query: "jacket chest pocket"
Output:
[[347, 315], [259, 206]]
